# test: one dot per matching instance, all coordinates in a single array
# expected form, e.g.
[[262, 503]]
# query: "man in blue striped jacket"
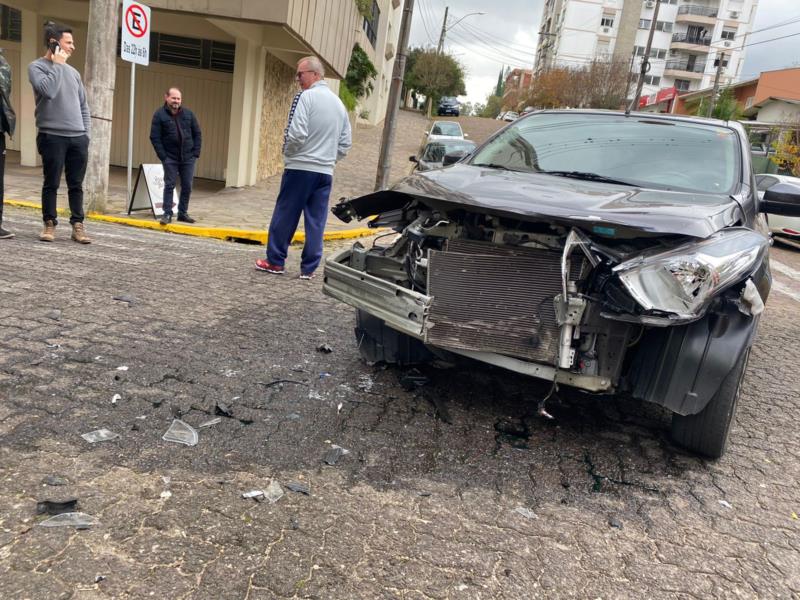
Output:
[[316, 137]]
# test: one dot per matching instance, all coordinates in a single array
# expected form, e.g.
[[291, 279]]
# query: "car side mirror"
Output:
[[453, 157], [466, 135], [781, 199], [427, 132], [413, 159]]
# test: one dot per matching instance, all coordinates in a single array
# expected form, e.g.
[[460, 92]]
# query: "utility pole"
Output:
[[715, 91], [100, 73], [444, 30], [645, 60], [630, 72], [393, 106]]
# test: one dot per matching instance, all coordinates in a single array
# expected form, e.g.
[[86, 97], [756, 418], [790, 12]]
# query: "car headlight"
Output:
[[683, 279]]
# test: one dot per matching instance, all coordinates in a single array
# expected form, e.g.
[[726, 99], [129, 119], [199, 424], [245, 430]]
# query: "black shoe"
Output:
[[4, 235], [185, 218], [166, 219]]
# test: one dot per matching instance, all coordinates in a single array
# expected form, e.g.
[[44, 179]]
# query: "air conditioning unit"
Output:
[[649, 4], [606, 29], [727, 43], [734, 14]]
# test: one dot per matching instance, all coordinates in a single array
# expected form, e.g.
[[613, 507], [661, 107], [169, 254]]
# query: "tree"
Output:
[[478, 108], [492, 107], [501, 85], [466, 109], [360, 73], [787, 151], [598, 84], [725, 108], [434, 75]]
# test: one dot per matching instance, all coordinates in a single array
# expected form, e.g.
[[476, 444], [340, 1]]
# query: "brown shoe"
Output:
[[49, 232], [79, 234]]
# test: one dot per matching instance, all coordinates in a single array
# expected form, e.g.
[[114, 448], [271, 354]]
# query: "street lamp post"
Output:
[[445, 27]]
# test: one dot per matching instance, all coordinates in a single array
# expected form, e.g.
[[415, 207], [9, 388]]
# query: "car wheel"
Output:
[[458, 114], [707, 432], [379, 343]]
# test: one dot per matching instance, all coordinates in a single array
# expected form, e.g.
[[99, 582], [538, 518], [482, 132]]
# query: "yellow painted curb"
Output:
[[228, 234]]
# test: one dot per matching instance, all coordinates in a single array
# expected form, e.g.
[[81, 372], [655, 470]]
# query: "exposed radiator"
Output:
[[496, 299]]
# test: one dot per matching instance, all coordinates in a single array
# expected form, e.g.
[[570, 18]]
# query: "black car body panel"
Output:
[[448, 106]]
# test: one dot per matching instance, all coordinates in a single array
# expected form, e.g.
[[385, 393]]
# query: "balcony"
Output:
[[696, 13], [684, 41], [685, 69]]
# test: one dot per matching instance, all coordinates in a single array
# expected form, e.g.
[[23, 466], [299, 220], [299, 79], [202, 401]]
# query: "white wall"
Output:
[[779, 112]]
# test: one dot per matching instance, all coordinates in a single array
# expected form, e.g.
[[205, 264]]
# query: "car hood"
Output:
[[605, 209]]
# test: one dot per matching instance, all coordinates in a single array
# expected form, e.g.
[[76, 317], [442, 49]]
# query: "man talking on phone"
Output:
[[62, 121]]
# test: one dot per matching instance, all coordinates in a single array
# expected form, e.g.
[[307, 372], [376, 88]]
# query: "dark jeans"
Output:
[[306, 193], [172, 170], [2, 172], [67, 155]]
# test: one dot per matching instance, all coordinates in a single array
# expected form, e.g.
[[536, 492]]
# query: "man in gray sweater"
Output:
[[317, 136], [62, 120]]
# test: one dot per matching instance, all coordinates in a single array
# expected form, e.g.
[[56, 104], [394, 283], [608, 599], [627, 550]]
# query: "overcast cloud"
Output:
[[507, 35]]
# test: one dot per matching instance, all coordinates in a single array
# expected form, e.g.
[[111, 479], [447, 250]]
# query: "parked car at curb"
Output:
[[510, 116], [616, 254], [445, 130], [431, 155], [784, 229], [448, 105]]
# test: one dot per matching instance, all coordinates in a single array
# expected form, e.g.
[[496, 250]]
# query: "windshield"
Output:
[[446, 128], [644, 152], [435, 151]]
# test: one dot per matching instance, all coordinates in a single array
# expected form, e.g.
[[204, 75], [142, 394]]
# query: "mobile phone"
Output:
[[54, 46]]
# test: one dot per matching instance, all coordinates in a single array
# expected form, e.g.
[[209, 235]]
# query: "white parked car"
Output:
[[510, 116], [783, 229], [445, 130]]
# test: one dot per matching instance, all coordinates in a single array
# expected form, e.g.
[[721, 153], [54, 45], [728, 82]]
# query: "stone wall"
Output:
[[279, 89]]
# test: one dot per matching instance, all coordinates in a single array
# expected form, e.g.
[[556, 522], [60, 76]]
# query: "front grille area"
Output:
[[496, 299]]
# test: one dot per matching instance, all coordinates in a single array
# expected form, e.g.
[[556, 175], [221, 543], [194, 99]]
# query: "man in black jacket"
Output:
[[175, 135]]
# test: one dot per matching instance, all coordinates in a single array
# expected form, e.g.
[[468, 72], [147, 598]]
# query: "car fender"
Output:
[[681, 368]]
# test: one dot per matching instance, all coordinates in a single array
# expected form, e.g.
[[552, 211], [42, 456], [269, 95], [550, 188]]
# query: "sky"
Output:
[[507, 35]]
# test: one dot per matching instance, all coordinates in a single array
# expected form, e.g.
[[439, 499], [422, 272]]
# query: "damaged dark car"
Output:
[[614, 253]]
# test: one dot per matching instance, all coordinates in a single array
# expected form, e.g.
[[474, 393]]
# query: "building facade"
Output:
[[234, 61], [691, 38]]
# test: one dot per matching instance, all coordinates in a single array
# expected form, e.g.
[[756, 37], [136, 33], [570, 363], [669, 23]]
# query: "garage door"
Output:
[[206, 93]]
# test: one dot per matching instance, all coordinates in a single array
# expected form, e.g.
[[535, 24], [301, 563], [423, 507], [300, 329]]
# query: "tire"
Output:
[[707, 432], [379, 343]]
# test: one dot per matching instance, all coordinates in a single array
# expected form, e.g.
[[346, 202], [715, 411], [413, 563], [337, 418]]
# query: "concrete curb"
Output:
[[227, 234]]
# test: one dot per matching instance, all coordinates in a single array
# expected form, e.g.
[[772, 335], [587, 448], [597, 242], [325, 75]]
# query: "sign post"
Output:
[[135, 48]]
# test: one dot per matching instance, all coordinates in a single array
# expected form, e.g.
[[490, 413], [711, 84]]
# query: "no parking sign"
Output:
[[135, 45]]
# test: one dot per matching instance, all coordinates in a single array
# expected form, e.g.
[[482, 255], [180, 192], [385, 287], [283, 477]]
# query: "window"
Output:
[[660, 25], [728, 34], [190, 52], [607, 21], [602, 48], [654, 52], [10, 24], [682, 85], [652, 80], [371, 24]]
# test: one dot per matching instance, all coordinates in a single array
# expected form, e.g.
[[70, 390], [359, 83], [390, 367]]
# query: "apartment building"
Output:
[[691, 37], [234, 61]]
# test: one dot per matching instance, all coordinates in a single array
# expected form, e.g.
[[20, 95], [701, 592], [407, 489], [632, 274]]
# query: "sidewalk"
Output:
[[249, 208]]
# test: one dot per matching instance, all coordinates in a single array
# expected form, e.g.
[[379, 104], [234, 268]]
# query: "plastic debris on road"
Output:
[[257, 495], [210, 422], [333, 455], [125, 298], [300, 488], [274, 492], [56, 507], [115, 398], [324, 348], [99, 435], [54, 480], [615, 522], [54, 314], [726, 504], [182, 433], [78, 520], [526, 512]]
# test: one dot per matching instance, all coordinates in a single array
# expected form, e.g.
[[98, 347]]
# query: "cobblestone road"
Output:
[[454, 492]]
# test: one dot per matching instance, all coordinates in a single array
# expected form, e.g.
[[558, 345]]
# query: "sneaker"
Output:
[[49, 232], [165, 219], [307, 275], [4, 234], [79, 234], [185, 218], [263, 265]]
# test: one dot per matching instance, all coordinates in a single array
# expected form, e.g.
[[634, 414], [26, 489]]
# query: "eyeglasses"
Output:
[[299, 73]]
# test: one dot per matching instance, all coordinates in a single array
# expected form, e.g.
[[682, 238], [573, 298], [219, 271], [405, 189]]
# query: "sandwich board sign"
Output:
[[135, 42], [148, 193]]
